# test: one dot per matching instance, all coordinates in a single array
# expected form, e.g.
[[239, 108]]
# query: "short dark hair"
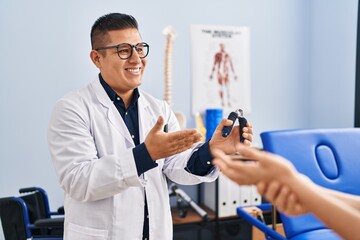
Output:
[[109, 22]]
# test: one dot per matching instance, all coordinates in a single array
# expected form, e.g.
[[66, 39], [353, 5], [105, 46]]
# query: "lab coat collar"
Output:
[[111, 111]]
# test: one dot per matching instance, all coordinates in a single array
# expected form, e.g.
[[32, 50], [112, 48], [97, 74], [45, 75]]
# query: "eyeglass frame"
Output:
[[132, 47]]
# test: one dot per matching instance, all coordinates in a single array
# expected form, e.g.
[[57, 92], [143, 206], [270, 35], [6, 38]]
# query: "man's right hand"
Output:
[[160, 144]]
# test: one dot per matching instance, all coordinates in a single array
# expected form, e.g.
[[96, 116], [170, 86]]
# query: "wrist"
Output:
[[289, 174], [211, 147]]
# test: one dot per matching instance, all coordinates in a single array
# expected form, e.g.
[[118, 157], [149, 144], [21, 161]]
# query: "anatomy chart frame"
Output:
[[220, 68]]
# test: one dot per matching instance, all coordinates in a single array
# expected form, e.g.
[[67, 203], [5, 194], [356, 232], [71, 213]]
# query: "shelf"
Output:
[[191, 216]]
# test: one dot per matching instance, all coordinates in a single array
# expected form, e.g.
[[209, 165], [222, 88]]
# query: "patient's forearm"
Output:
[[351, 200], [336, 214]]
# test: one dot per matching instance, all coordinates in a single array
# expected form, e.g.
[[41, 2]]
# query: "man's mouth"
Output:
[[133, 70]]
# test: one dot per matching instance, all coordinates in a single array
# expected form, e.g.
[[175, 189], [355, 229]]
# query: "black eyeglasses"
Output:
[[125, 50]]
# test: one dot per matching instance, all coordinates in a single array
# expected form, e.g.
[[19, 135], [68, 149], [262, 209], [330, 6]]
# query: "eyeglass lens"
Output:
[[125, 50]]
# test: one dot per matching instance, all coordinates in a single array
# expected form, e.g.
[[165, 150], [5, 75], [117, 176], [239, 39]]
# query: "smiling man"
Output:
[[109, 149]]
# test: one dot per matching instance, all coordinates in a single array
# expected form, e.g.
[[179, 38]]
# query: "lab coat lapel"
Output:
[[146, 118], [110, 110]]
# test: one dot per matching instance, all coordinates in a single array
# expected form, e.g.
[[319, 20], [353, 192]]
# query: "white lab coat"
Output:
[[92, 153]]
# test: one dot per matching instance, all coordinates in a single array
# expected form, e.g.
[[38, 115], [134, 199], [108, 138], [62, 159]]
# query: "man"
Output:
[[109, 148]]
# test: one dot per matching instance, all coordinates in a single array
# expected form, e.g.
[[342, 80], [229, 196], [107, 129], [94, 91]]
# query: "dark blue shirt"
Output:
[[130, 116]]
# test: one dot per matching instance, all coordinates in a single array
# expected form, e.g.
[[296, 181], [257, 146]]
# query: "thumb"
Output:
[[158, 125]]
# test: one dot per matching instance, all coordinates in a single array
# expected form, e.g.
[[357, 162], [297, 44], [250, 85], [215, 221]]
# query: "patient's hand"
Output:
[[282, 197]]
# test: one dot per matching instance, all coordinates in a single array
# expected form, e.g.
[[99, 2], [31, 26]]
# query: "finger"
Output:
[[221, 155], [219, 163], [261, 187], [248, 128], [241, 148], [185, 138], [247, 143], [183, 134], [291, 205], [184, 141], [196, 137], [227, 122], [299, 209], [281, 199], [247, 136], [247, 133], [224, 122], [181, 149], [180, 138], [243, 173], [220, 159], [253, 153], [272, 191], [218, 153], [174, 149], [158, 125], [233, 175]]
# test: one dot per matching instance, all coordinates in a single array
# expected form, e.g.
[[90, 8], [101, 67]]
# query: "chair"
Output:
[[329, 157], [15, 221], [36, 196], [37, 203]]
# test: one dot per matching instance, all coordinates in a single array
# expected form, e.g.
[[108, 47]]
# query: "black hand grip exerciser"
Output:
[[242, 124], [227, 129], [238, 114]]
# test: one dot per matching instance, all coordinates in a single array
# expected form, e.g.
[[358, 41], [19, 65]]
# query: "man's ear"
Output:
[[95, 58]]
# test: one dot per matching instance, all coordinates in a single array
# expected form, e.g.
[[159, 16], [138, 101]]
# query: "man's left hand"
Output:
[[228, 144]]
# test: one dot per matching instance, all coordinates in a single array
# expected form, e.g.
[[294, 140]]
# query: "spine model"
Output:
[[170, 34]]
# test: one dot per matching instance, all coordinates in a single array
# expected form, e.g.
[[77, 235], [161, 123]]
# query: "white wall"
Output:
[[332, 63], [302, 67]]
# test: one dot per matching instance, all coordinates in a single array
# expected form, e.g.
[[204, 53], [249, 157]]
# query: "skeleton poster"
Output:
[[220, 68]]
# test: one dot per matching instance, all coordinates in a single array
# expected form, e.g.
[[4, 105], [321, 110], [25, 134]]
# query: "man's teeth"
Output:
[[133, 69]]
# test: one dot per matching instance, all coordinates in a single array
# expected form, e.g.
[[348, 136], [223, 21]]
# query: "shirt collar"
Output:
[[113, 95]]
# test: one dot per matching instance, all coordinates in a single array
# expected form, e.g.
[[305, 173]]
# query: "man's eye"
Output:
[[124, 51]]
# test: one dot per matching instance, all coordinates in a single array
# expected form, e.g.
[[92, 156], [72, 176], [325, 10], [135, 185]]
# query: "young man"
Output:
[[109, 148], [292, 192]]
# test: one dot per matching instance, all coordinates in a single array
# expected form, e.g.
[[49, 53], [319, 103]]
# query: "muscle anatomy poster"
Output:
[[220, 68]]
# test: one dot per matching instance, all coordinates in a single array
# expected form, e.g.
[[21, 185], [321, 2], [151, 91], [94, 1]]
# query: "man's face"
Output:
[[122, 75]]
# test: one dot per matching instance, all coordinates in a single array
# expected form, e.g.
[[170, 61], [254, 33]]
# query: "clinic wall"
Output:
[[333, 53], [297, 48]]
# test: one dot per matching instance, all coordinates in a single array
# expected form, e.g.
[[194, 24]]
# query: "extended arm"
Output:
[[335, 209], [281, 184], [351, 200]]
